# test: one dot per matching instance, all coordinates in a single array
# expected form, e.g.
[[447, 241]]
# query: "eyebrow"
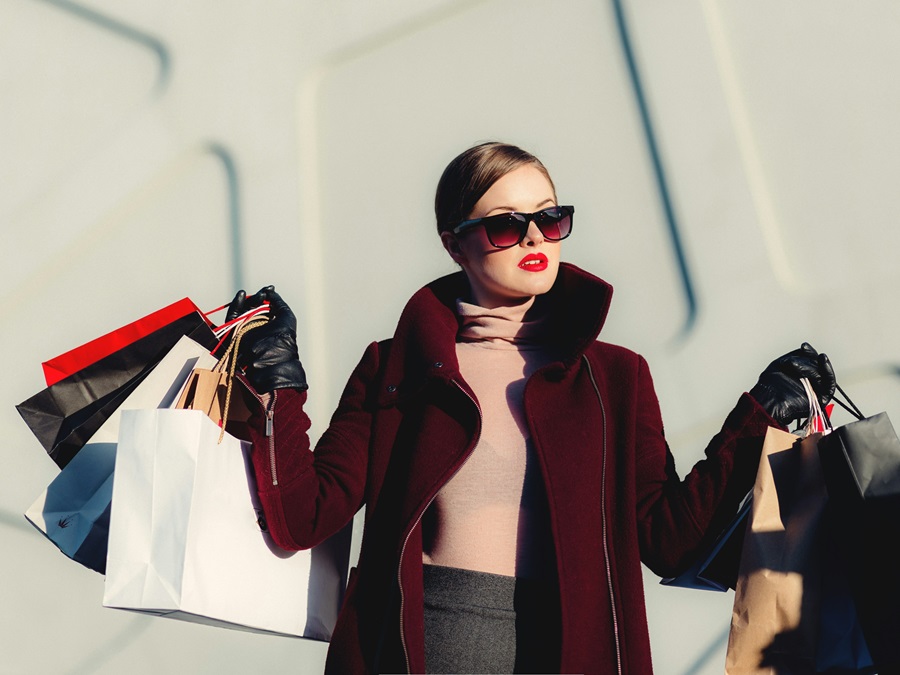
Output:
[[509, 209]]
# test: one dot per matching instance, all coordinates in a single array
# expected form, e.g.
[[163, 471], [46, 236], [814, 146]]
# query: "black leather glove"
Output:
[[268, 354], [779, 390]]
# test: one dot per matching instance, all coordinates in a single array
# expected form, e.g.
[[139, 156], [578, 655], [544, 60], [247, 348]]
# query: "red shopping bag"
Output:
[[77, 359]]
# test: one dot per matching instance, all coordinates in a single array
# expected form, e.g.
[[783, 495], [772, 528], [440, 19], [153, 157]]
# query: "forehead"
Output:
[[523, 189]]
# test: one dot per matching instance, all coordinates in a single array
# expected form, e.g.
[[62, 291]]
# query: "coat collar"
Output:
[[424, 343]]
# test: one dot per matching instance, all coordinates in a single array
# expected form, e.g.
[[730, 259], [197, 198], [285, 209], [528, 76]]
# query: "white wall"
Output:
[[150, 151]]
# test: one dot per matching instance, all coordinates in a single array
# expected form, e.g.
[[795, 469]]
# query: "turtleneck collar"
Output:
[[424, 343], [519, 327]]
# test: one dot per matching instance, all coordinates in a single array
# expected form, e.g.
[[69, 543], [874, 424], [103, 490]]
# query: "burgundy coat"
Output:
[[407, 421]]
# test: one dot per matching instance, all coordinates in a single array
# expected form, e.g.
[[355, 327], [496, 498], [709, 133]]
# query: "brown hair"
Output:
[[471, 174]]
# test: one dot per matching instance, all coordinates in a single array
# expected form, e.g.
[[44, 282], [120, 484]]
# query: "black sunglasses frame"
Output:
[[543, 218]]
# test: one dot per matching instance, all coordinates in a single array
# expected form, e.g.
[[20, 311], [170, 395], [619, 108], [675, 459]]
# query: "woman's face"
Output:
[[508, 276]]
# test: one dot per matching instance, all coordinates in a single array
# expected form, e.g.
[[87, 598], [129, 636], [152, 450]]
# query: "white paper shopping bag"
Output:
[[185, 541], [73, 512]]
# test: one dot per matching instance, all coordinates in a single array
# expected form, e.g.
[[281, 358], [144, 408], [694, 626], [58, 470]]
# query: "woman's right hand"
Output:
[[268, 354]]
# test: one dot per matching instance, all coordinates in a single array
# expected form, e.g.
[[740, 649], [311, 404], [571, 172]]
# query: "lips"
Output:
[[533, 262]]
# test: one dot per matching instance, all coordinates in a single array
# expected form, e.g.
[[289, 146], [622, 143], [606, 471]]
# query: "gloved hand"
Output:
[[268, 354], [779, 390]]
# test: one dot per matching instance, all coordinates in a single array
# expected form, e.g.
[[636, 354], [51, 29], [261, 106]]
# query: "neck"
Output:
[[514, 308]]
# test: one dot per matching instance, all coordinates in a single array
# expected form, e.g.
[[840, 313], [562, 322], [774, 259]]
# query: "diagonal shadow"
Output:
[[687, 285], [121, 29]]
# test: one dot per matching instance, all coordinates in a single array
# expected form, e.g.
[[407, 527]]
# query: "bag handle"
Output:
[[229, 361], [223, 331], [848, 405], [818, 421], [207, 314]]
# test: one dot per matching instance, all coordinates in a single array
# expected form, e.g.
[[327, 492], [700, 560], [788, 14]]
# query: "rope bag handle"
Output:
[[228, 363], [818, 421]]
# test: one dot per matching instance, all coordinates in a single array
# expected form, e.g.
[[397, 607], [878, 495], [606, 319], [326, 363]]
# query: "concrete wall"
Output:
[[732, 163]]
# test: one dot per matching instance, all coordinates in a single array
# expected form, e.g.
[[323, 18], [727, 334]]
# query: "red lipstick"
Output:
[[533, 262]]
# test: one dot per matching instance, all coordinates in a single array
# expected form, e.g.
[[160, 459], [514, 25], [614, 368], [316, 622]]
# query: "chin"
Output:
[[543, 282], [514, 288], [523, 293]]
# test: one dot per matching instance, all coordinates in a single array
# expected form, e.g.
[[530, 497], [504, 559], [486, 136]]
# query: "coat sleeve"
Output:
[[309, 495], [678, 517]]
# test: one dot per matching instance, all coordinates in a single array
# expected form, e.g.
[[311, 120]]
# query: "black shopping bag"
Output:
[[841, 646], [861, 464], [716, 569], [66, 414]]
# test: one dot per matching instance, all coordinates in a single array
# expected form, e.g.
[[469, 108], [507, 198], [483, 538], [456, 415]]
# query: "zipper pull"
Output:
[[270, 414]]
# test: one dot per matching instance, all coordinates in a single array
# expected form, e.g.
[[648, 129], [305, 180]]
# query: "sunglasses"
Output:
[[508, 229]]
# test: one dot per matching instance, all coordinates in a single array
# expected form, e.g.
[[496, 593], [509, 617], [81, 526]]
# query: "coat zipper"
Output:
[[270, 434], [270, 428], [603, 517], [422, 514]]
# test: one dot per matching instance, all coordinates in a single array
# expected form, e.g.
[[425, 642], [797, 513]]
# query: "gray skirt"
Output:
[[477, 622]]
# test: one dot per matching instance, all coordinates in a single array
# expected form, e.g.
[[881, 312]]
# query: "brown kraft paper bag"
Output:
[[210, 391], [776, 602]]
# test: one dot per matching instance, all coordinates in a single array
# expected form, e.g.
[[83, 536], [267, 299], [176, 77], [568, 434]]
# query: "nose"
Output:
[[533, 235]]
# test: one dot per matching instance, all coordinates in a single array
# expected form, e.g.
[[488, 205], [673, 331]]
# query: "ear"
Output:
[[451, 245]]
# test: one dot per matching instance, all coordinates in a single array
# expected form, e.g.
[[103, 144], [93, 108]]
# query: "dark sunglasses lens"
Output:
[[555, 223], [504, 231]]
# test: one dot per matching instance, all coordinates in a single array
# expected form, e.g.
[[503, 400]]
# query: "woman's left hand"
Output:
[[779, 390]]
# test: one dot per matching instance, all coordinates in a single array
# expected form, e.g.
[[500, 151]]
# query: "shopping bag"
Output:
[[186, 539], [841, 645], [206, 390], [210, 389], [716, 568], [66, 414], [76, 359], [73, 512], [861, 464], [777, 596]]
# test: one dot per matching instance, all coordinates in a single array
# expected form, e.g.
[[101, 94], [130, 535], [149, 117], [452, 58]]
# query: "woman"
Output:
[[514, 469]]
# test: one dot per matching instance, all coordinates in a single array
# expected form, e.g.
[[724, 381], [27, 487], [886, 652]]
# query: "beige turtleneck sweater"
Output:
[[492, 514]]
